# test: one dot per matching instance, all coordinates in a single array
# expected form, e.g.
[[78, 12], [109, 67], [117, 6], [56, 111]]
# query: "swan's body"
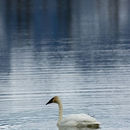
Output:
[[79, 120], [74, 120]]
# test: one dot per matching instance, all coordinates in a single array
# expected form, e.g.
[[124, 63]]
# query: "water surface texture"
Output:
[[76, 49]]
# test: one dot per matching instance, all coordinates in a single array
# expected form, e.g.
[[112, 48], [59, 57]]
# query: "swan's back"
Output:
[[79, 120]]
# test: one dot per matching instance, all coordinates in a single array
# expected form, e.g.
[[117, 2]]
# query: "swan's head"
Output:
[[55, 99]]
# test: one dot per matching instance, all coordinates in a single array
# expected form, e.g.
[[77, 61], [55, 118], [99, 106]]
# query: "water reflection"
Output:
[[51, 27], [75, 128]]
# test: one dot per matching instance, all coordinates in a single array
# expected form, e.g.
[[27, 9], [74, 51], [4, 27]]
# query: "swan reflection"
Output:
[[75, 128]]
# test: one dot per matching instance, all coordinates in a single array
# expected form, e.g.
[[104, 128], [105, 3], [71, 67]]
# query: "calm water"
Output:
[[76, 49]]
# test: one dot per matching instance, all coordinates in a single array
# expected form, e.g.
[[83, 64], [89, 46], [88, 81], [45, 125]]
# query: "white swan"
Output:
[[74, 120]]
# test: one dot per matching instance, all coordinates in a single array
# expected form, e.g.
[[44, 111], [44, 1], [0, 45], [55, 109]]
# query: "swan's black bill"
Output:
[[50, 101]]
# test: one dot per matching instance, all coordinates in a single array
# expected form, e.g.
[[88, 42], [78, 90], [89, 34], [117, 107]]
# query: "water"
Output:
[[78, 50]]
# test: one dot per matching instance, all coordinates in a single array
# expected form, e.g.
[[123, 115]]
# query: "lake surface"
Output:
[[78, 50]]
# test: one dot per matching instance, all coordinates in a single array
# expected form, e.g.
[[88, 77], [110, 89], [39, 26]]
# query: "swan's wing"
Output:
[[79, 117], [78, 120]]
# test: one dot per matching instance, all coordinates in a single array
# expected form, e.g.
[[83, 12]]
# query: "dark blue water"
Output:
[[76, 49]]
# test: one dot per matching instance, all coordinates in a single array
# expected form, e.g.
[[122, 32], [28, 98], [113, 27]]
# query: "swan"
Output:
[[73, 120]]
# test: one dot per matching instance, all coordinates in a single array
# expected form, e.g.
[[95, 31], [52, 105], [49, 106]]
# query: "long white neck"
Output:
[[60, 110]]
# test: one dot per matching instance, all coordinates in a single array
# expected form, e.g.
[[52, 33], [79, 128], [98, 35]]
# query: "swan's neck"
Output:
[[60, 111]]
